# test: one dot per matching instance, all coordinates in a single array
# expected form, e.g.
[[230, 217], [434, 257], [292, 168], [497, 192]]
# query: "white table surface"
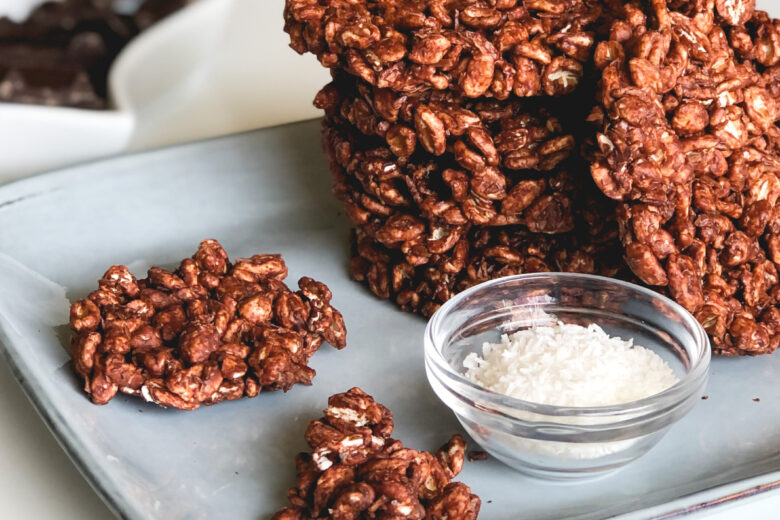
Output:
[[38, 481]]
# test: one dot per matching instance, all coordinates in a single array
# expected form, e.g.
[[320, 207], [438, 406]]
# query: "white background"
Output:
[[38, 481]]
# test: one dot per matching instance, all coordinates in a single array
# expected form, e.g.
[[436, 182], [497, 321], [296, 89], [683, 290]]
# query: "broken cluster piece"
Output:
[[356, 471]]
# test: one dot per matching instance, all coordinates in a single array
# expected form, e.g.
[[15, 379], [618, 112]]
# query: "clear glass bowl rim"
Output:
[[480, 395]]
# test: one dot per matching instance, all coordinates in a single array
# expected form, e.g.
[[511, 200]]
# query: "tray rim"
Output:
[[765, 485]]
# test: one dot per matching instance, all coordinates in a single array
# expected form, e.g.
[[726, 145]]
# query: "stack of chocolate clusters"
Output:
[[472, 139], [450, 146], [60, 55]]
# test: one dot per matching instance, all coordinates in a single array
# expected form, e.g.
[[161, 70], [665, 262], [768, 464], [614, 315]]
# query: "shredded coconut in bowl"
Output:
[[569, 365]]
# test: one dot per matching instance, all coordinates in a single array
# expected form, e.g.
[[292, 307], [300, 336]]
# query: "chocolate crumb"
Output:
[[756, 399], [705, 397], [475, 455]]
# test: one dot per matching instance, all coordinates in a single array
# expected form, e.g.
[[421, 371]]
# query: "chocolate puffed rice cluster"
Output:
[[356, 471], [688, 144], [471, 139], [493, 48], [210, 331]]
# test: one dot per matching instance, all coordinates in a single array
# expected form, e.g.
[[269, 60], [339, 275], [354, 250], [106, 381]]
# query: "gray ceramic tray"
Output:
[[269, 191]]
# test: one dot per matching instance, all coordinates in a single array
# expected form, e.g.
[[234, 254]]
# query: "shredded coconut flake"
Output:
[[404, 510], [349, 415], [569, 365], [439, 233], [146, 394], [606, 142], [731, 129], [351, 442], [321, 460], [564, 76]]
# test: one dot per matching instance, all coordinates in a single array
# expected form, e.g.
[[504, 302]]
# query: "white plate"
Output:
[[215, 68], [269, 191]]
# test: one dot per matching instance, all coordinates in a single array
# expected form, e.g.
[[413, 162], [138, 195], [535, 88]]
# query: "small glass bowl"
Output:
[[556, 442]]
